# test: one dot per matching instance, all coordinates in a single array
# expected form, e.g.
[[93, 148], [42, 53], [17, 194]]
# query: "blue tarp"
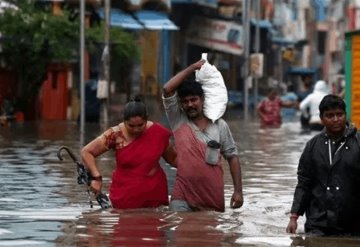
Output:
[[319, 9], [154, 20], [143, 19], [301, 71], [119, 18]]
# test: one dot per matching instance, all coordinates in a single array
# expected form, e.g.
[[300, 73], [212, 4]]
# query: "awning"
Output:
[[119, 18], [154, 20], [301, 70], [210, 3], [143, 19], [282, 41]]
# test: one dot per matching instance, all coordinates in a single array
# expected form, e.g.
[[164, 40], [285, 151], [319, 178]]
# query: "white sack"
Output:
[[102, 89], [216, 96]]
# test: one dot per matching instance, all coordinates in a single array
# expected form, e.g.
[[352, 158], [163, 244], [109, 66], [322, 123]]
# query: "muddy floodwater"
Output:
[[41, 203]]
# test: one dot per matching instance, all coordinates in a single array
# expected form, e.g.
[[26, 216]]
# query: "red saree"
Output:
[[138, 180]]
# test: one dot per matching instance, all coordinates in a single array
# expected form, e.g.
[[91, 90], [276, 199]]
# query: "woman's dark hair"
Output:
[[331, 102], [135, 108], [190, 88]]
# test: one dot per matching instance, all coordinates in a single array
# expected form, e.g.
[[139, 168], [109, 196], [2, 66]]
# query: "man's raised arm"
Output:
[[171, 86]]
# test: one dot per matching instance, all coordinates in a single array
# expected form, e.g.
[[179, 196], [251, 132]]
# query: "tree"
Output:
[[32, 37]]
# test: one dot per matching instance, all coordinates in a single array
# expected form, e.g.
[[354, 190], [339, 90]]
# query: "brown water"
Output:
[[42, 205]]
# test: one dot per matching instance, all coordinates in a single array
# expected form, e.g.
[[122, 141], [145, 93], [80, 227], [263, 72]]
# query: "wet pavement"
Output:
[[41, 203]]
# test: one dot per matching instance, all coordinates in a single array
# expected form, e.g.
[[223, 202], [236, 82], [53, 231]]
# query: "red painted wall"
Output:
[[54, 98]]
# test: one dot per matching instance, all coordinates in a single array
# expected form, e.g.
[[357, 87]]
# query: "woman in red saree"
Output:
[[269, 109], [138, 180]]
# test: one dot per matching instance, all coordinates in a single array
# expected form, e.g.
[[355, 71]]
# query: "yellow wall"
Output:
[[149, 63], [355, 84]]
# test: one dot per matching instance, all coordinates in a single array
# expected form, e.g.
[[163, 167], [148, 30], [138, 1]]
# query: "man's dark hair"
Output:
[[135, 108], [307, 80], [330, 102], [190, 88]]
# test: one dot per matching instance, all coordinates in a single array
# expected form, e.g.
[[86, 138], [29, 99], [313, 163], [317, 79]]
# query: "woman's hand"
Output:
[[95, 187], [170, 155]]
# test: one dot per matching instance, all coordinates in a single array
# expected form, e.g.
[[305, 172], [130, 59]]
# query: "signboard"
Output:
[[225, 36]]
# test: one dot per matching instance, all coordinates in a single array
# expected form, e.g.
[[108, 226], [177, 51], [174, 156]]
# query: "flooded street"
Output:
[[41, 203]]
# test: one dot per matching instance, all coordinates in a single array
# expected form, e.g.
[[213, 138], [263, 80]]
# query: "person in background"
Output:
[[312, 102], [6, 110], [269, 109], [138, 180], [307, 89], [200, 144], [328, 173], [290, 95], [342, 90]]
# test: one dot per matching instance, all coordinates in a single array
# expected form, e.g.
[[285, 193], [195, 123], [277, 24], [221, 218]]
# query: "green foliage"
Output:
[[32, 38], [123, 44]]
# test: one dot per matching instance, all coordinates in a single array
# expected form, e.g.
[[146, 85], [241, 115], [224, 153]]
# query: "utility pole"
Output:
[[257, 49], [245, 69], [82, 80], [105, 100]]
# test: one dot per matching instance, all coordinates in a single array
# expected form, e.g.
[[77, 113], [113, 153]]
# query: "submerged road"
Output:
[[41, 203]]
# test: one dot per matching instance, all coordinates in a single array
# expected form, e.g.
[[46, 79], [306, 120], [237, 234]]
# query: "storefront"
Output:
[[222, 40], [154, 32]]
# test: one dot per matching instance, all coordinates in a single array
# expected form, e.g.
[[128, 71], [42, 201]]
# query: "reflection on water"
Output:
[[42, 205]]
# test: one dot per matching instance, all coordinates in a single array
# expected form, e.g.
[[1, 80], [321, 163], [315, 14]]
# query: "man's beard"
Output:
[[192, 113]]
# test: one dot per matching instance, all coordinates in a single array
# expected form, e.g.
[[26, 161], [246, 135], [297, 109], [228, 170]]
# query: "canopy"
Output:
[[119, 18], [142, 19], [154, 20], [301, 70]]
